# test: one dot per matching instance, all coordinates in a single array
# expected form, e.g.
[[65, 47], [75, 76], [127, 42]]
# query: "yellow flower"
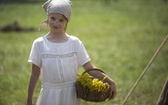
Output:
[[93, 84]]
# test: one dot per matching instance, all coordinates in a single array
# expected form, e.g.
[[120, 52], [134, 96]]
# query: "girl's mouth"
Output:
[[55, 27]]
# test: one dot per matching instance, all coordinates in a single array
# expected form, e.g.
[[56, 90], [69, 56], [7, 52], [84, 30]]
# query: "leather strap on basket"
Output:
[[96, 69]]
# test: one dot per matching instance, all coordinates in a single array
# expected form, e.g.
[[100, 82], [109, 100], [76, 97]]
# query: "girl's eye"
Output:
[[52, 18], [61, 20]]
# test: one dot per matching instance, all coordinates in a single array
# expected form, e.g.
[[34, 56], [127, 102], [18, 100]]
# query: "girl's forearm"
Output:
[[32, 87], [32, 83], [100, 75], [96, 74]]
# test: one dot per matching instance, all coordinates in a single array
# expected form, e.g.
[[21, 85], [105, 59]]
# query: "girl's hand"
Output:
[[29, 103], [113, 91]]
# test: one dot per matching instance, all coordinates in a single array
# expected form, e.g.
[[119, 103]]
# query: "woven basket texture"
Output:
[[93, 96]]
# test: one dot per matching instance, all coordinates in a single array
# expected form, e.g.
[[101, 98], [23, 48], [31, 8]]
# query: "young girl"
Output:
[[57, 57]]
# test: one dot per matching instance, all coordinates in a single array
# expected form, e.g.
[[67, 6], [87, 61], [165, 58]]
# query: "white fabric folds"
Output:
[[58, 6]]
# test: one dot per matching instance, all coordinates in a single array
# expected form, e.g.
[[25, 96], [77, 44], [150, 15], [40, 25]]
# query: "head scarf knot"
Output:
[[58, 6]]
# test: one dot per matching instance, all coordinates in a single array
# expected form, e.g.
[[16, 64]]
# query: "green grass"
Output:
[[120, 38]]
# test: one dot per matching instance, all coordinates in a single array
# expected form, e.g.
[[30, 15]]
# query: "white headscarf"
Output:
[[58, 6]]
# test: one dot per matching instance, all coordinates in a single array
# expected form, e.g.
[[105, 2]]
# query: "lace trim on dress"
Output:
[[58, 56]]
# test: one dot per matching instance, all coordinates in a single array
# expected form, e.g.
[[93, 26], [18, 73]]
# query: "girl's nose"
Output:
[[56, 23]]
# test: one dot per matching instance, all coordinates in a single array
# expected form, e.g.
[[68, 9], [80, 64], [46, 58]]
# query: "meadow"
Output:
[[120, 38]]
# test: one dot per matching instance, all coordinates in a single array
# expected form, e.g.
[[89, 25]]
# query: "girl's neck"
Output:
[[57, 38]]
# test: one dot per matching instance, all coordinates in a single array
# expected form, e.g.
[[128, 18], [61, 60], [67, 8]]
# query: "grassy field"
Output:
[[120, 38]]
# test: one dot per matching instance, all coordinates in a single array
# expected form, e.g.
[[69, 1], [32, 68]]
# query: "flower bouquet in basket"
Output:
[[92, 89]]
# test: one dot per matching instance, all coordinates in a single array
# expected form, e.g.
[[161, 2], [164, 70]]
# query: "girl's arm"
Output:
[[100, 75], [32, 83]]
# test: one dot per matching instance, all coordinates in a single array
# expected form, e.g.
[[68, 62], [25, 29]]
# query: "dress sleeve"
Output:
[[82, 54], [35, 55]]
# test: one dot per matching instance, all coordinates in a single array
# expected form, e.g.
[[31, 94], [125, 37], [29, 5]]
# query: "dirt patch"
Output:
[[15, 26]]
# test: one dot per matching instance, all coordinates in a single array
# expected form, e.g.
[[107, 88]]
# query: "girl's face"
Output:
[[57, 23]]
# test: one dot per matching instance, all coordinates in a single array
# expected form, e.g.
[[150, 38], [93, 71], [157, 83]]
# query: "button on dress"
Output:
[[59, 63]]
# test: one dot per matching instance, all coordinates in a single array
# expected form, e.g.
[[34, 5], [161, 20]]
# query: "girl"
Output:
[[57, 57]]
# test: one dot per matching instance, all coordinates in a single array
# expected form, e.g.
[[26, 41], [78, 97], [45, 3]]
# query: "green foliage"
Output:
[[120, 38], [21, 1]]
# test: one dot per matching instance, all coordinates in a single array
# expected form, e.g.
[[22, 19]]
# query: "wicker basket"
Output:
[[93, 96]]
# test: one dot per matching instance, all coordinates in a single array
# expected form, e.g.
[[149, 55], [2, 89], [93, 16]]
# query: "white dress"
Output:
[[59, 63]]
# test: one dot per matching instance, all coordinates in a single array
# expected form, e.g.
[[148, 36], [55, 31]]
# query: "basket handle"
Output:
[[93, 69]]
